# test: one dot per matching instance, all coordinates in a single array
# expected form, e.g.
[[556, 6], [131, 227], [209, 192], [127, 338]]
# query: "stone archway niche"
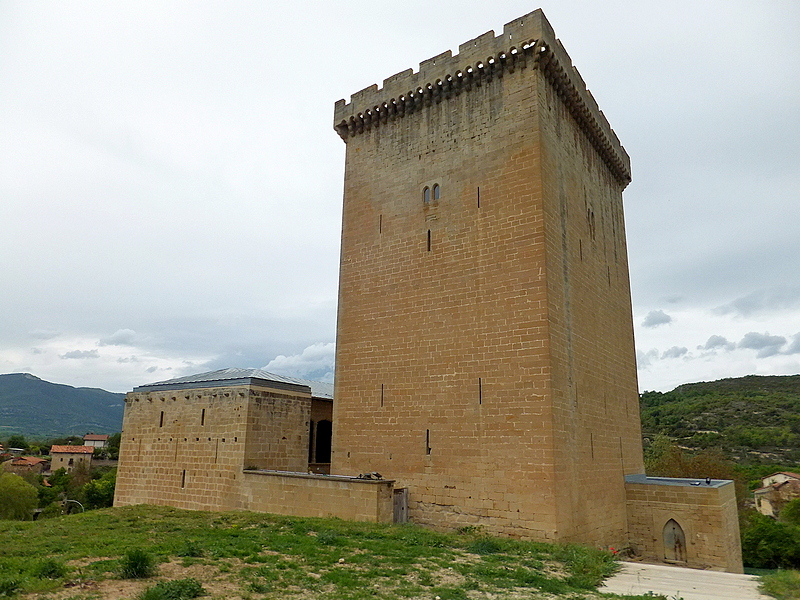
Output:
[[674, 542]]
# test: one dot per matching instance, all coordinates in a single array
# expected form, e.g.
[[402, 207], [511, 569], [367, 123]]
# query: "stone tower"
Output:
[[485, 355]]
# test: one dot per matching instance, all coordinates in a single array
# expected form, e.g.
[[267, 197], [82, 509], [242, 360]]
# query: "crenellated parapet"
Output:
[[527, 43]]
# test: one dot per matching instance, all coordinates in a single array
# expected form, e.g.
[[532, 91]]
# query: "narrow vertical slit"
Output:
[[479, 197], [380, 224], [429, 240], [161, 419], [427, 442], [580, 248], [216, 451], [480, 390], [381, 394], [591, 441], [183, 479], [608, 272], [202, 417]]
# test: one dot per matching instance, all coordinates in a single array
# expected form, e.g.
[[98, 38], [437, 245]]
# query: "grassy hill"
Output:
[[253, 556], [39, 409], [753, 418]]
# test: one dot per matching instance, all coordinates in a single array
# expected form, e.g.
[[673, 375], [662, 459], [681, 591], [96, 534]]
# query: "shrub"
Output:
[[100, 492], [769, 544], [17, 498], [137, 564], [177, 589], [790, 513]]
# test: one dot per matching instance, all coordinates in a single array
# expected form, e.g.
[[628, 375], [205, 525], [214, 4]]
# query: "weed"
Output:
[[782, 584], [191, 548], [9, 587], [177, 589], [137, 564], [50, 569], [485, 545]]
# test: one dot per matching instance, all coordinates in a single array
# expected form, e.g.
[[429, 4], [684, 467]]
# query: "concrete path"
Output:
[[679, 583]]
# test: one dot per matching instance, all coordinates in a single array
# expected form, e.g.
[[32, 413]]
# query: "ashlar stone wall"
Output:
[[705, 512]]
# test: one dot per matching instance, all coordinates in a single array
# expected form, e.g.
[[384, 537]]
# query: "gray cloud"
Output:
[[675, 352], [767, 345], [645, 359], [762, 301], [794, 348], [44, 334], [128, 359], [655, 318], [121, 337], [80, 354], [315, 362], [717, 342]]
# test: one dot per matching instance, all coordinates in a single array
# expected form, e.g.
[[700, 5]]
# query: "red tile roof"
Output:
[[72, 449], [28, 460], [95, 437]]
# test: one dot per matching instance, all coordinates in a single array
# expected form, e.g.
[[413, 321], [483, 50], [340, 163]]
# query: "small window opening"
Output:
[[202, 417], [382, 394], [580, 248], [479, 197], [426, 195], [71, 461], [436, 191], [428, 442], [161, 419], [380, 224], [429, 243], [480, 390], [183, 479]]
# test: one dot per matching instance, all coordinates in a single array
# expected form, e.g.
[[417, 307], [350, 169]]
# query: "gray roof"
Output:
[[232, 376], [676, 481]]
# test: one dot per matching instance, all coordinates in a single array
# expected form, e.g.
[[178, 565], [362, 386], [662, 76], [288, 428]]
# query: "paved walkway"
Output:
[[679, 583]]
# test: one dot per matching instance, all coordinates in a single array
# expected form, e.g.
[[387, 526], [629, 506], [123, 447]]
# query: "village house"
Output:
[[25, 464], [95, 440], [775, 491], [69, 457]]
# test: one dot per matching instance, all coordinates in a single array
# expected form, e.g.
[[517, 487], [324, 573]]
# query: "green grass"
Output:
[[782, 584], [275, 557]]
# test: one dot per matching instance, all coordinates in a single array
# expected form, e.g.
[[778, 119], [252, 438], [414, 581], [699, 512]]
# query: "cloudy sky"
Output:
[[170, 183]]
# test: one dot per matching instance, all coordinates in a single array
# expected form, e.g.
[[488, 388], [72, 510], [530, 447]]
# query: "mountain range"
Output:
[[41, 410]]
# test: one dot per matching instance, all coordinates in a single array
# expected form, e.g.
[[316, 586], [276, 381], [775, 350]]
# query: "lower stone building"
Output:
[[239, 439]]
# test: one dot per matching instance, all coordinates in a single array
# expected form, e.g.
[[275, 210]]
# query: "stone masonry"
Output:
[[484, 332], [485, 355]]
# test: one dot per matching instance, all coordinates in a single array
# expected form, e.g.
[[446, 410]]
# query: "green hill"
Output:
[[754, 418], [39, 409]]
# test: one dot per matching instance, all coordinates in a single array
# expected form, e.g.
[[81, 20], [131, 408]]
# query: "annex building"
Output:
[[485, 359]]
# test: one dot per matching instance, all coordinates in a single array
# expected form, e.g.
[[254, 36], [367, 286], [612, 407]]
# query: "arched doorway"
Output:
[[674, 542]]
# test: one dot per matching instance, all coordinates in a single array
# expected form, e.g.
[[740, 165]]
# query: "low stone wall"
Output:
[[705, 512], [307, 495]]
